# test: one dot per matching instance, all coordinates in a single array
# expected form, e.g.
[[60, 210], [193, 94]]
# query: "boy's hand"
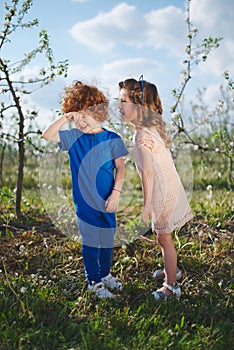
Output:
[[73, 116], [112, 202]]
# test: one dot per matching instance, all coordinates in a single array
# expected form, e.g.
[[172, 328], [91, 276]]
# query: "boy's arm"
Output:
[[112, 201], [51, 133]]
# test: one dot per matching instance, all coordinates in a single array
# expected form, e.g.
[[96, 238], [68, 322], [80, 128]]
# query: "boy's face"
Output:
[[85, 122]]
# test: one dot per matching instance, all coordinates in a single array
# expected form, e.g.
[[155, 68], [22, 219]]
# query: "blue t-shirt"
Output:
[[92, 169]]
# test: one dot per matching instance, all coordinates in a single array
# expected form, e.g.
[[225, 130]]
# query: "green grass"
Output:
[[44, 303], [43, 299]]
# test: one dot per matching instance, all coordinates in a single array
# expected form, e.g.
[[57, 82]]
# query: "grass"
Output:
[[44, 304]]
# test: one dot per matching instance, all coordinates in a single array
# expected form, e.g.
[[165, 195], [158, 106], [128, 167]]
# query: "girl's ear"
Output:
[[137, 99]]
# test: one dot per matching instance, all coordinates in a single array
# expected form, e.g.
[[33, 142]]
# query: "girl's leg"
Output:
[[169, 258], [91, 263], [105, 257]]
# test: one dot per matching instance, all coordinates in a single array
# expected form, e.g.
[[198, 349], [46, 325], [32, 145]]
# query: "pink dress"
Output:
[[170, 206]]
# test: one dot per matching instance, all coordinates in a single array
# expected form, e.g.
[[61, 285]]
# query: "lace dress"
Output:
[[170, 206]]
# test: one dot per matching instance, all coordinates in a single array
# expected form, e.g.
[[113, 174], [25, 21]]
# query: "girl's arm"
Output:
[[112, 201], [51, 133], [145, 164]]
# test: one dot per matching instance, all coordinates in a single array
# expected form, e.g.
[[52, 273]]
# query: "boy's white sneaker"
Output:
[[112, 282], [100, 290]]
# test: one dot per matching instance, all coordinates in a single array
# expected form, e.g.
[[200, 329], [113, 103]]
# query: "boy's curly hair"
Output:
[[79, 97]]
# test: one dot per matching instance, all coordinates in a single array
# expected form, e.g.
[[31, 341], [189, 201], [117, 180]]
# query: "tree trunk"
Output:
[[1, 164], [21, 150], [21, 138]]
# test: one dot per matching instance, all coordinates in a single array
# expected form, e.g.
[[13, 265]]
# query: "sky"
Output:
[[107, 41]]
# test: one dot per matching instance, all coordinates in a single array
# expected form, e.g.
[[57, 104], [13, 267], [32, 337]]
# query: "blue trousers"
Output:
[[97, 262]]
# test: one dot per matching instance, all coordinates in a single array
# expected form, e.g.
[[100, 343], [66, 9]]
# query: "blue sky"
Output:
[[108, 41]]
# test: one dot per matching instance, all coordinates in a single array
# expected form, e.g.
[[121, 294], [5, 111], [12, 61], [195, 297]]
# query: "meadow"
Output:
[[44, 303]]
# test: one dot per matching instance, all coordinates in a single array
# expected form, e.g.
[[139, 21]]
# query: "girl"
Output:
[[165, 202], [97, 170]]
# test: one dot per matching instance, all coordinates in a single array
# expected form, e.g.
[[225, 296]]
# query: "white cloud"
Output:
[[166, 29], [162, 29], [215, 18], [125, 25], [106, 30]]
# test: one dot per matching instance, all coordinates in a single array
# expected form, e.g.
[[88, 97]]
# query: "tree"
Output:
[[215, 124], [14, 87]]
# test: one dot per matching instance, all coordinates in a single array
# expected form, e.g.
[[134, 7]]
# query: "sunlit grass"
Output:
[[44, 303]]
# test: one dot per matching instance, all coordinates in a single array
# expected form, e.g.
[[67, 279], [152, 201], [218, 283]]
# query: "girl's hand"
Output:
[[146, 216], [112, 202]]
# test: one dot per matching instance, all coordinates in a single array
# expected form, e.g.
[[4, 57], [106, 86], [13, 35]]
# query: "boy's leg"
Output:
[[91, 263], [105, 258]]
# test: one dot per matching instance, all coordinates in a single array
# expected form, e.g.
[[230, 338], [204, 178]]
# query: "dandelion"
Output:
[[23, 290], [209, 195], [217, 150]]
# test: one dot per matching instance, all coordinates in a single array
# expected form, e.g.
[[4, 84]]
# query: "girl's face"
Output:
[[127, 108], [85, 122]]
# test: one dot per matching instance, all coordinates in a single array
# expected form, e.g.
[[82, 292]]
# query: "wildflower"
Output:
[[23, 290], [209, 195], [21, 248], [220, 284]]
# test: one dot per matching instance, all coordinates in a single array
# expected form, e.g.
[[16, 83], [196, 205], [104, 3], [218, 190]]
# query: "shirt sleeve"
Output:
[[118, 148], [145, 140], [67, 138]]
